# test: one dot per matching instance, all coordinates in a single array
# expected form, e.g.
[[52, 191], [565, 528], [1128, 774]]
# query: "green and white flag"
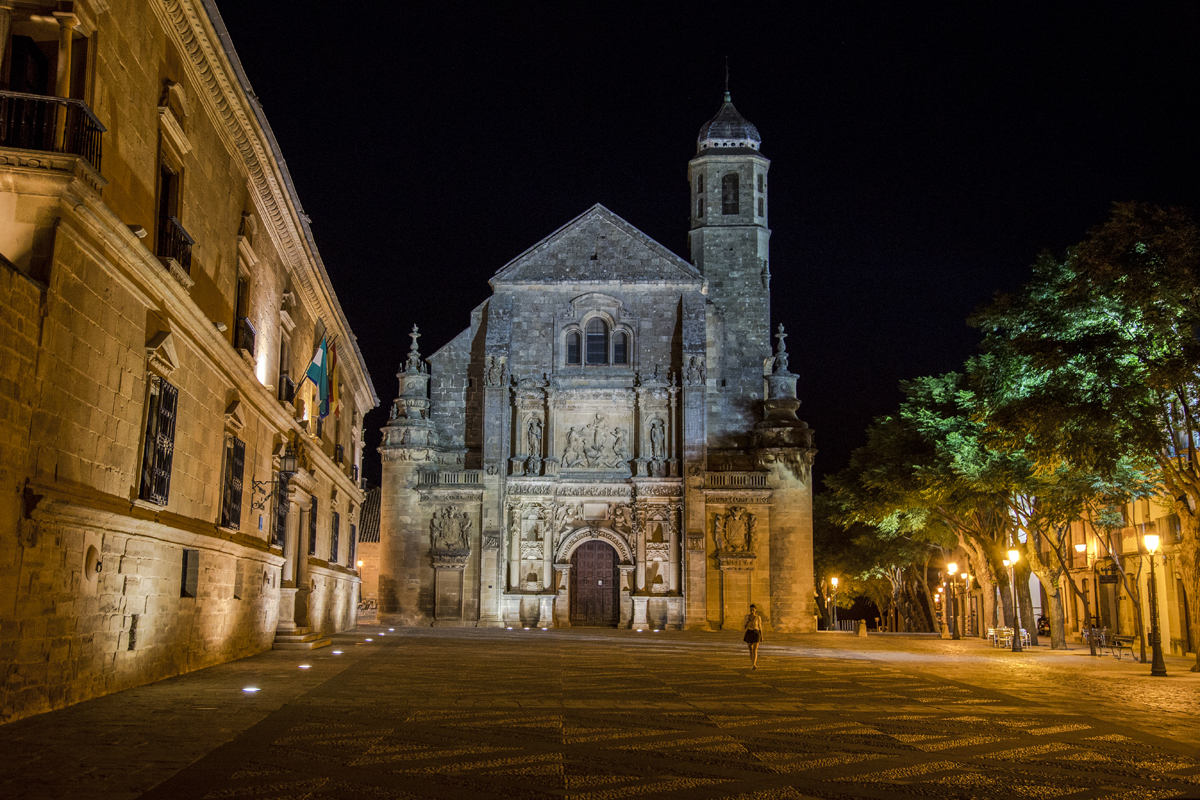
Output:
[[318, 372]]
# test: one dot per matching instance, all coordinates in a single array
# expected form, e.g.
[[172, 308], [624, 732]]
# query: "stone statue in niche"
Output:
[[565, 516], [450, 530], [657, 439], [493, 371], [733, 531], [623, 516], [533, 437]]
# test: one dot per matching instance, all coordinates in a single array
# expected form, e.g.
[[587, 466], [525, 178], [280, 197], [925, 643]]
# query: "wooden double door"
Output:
[[594, 585]]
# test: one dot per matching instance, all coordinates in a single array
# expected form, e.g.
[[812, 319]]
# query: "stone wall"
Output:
[[101, 589]]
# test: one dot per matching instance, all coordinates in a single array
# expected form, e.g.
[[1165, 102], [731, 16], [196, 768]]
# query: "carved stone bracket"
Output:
[[450, 560]]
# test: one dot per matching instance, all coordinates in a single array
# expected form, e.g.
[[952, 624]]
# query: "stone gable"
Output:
[[597, 246]]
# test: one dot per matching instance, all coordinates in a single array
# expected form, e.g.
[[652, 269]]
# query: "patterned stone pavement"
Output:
[[613, 714]]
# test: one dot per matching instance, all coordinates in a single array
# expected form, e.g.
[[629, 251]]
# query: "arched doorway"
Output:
[[594, 585]]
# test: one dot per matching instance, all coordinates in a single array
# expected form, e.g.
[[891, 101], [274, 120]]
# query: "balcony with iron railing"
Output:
[[462, 477], [735, 480], [287, 389], [50, 125], [174, 249], [244, 336]]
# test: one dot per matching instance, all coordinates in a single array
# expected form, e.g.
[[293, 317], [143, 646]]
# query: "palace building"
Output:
[[611, 440]]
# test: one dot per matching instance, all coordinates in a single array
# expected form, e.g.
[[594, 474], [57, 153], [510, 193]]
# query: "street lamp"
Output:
[[1081, 548], [834, 583], [1158, 667], [952, 568], [1013, 555]]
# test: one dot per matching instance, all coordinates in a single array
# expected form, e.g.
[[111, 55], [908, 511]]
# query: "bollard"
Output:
[[862, 627]]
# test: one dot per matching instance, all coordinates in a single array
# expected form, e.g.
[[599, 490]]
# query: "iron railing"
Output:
[[175, 243], [287, 389], [244, 335], [735, 480], [50, 124], [465, 477]]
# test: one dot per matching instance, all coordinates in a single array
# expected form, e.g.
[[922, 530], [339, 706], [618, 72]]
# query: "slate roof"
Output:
[[597, 246], [728, 129], [368, 518]]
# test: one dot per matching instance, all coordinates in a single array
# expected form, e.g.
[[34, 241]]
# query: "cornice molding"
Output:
[[190, 28]]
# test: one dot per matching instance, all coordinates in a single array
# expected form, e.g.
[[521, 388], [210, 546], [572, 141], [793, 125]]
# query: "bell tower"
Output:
[[729, 244]]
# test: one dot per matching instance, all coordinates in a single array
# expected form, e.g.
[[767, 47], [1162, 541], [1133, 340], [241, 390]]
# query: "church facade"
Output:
[[611, 441]]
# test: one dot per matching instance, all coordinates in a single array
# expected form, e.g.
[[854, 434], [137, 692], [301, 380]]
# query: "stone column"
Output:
[[639, 554], [562, 598], [67, 22], [293, 558]]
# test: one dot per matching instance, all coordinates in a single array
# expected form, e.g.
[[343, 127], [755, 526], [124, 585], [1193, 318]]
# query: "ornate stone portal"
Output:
[[607, 400]]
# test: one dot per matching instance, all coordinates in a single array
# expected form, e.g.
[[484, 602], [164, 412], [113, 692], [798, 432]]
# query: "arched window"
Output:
[[597, 342], [620, 349], [573, 347], [729, 194]]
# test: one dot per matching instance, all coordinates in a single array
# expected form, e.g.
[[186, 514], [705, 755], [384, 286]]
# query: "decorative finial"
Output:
[[414, 357], [726, 79], [781, 356]]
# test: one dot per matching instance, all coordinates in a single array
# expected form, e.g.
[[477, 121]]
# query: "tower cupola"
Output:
[[728, 129]]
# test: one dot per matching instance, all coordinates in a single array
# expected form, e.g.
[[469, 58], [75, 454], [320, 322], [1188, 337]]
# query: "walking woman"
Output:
[[753, 635]]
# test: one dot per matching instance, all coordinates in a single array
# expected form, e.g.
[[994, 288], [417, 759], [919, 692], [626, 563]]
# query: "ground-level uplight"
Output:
[[368, 640], [337, 652], [306, 666], [250, 689]]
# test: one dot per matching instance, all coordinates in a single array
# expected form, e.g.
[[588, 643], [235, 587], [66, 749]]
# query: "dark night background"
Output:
[[922, 155]]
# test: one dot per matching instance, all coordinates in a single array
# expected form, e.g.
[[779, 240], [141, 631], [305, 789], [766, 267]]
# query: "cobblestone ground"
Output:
[[593, 714]]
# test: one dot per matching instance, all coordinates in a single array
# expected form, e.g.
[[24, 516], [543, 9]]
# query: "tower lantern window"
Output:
[[729, 194]]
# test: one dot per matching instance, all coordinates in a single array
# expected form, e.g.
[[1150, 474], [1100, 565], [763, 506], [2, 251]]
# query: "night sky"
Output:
[[921, 155]]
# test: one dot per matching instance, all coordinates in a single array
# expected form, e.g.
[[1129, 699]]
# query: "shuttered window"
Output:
[[572, 348], [730, 202], [231, 491], [279, 532], [597, 342], [312, 529], [620, 349], [334, 530], [353, 544], [160, 441]]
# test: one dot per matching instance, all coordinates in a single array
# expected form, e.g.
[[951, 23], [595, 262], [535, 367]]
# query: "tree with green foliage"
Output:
[[1111, 363]]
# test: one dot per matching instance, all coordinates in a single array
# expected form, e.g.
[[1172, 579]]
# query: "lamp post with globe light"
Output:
[[1081, 548], [952, 568], [834, 582], [1011, 563], [1158, 667]]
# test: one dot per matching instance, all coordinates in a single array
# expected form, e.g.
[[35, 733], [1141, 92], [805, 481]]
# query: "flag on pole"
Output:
[[334, 381], [317, 373]]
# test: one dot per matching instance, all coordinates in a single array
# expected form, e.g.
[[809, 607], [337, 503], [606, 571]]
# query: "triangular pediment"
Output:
[[597, 246], [160, 353]]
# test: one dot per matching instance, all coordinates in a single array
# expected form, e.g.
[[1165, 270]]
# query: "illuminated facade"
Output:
[[611, 441], [161, 294]]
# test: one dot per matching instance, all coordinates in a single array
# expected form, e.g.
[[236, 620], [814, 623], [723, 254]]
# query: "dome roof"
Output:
[[728, 129]]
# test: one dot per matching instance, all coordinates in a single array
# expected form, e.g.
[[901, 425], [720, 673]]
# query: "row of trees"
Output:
[[1085, 395]]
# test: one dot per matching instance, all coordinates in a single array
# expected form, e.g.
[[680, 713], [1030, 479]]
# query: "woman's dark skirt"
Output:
[[751, 637]]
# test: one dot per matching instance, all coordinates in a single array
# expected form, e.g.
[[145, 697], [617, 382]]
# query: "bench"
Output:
[[1116, 644]]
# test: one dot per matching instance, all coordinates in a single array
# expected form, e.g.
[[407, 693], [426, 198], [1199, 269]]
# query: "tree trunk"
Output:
[[924, 578], [1021, 573], [1006, 598], [982, 570]]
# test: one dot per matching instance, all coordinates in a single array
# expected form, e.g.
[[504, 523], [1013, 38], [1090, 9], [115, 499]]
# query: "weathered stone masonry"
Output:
[[611, 441]]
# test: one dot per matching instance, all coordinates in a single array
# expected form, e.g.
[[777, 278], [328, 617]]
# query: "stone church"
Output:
[[611, 441]]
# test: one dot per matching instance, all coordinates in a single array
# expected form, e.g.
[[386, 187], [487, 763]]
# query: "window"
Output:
[[573, 347], [279, 533], [312, 528], [597, 342], [190, 580], [760, 182], [334, 530], [231, 491], [700, 207], [620, 353], [160, 441], [729, 194], [760, 207], [699, 183], [353, 545]]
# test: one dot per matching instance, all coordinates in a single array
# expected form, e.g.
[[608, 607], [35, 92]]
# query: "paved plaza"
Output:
[[599, 714]]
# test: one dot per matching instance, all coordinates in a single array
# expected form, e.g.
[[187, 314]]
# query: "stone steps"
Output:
[[300, 639]]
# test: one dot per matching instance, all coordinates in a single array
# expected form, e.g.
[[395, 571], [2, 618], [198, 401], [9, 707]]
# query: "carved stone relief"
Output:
[[450, 530], [733, 531], [597, 445]]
